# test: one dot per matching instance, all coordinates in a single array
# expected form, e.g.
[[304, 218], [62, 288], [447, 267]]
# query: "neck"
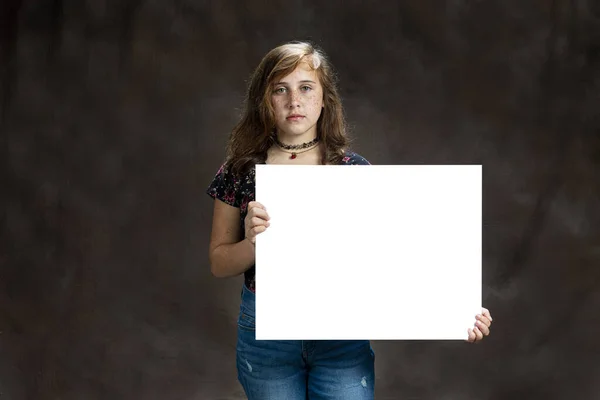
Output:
[[296, 139], [277, 155]]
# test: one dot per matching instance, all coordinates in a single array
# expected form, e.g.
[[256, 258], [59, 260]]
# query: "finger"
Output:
[[478, 334], [256, 204], [258, 229], [472, 336], [483, 319], [255, 221], [252, 233], [486, 313], [483, 328], [259, 212]]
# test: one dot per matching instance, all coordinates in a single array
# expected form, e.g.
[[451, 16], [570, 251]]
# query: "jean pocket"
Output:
[[246, 321]]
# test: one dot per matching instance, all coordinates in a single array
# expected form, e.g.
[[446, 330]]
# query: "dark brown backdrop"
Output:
[[114, 120]]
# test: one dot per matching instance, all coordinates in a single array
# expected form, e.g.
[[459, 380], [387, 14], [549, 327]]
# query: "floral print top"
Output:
[[238, 192]]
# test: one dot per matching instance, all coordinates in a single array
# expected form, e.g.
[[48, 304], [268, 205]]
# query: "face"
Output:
[[297, 101]]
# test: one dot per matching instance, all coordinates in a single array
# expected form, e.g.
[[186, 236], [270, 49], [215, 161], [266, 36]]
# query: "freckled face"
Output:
[[297, 100]]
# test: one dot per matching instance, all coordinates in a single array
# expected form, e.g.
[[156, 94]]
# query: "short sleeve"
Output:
[[359, 160], [225, 187], [355, 159]]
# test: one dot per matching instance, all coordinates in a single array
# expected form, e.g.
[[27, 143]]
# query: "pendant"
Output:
[[293, 156]]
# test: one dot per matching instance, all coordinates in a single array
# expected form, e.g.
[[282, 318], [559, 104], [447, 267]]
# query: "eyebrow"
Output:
[[286, 83]]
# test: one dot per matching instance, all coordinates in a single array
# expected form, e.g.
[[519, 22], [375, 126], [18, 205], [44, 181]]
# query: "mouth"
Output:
[[295, 117]]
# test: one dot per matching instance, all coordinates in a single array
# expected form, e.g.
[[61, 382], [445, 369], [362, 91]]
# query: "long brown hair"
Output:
[[252, 136]]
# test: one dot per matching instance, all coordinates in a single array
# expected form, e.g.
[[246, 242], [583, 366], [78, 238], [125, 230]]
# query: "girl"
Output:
[[293, 115]]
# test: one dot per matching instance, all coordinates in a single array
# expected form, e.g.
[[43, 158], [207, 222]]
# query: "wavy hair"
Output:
[[252, 136]]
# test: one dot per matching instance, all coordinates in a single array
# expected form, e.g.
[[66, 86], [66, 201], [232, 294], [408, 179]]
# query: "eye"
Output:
[[280, 90], [306, 88]]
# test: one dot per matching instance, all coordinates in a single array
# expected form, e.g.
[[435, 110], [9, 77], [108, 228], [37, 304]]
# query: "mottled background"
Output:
[[114, 118]]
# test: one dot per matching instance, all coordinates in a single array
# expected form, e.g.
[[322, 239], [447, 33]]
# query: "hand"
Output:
[[482, 326], [256, 221]]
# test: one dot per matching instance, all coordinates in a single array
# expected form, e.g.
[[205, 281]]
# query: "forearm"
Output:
[[228, 260]]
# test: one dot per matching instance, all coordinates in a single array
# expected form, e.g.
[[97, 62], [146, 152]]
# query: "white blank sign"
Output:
[[378, 252]]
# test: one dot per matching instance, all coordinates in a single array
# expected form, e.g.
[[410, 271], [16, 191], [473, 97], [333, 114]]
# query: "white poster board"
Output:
[[378, 252]]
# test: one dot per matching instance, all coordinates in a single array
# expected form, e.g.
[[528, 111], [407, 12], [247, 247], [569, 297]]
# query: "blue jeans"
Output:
[[301, 369]]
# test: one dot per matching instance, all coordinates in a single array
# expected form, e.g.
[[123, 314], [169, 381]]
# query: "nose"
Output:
[[294, 99]]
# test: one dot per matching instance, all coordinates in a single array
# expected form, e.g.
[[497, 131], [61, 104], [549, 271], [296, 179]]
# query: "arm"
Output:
[[227, 254]]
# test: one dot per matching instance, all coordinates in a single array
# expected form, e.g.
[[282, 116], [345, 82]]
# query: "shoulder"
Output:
[[225, 174], [230, 188], [352, 158]]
